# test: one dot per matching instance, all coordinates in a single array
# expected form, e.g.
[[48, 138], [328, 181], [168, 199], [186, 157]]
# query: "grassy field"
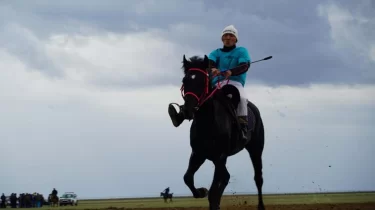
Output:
[[234, 202]]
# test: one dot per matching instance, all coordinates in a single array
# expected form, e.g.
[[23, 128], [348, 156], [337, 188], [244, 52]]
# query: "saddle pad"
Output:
[[250, 119]]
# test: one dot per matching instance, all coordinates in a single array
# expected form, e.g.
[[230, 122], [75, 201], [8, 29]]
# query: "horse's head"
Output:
[[195, 83]]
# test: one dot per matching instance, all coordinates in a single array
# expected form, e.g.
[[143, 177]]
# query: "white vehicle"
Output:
[[68, 198]]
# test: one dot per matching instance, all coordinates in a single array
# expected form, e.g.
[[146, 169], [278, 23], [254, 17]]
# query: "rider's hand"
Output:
[[227, 73], [215, 71]]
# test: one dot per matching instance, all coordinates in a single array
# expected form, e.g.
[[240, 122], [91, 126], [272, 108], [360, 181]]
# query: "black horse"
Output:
[[215, 131], [166, 196]]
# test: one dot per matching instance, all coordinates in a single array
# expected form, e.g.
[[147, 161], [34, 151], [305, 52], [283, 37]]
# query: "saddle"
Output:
[[230, 98]]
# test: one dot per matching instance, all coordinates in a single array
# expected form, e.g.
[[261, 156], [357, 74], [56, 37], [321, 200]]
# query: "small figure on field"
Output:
[[166, 195], [3, 201], [54, 192], [166, 191]]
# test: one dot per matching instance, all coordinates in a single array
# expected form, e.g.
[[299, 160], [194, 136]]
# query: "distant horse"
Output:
[[53, 200], [165, 196], [215, 131]]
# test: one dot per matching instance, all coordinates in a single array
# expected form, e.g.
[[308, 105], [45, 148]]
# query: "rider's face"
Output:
[[229, 40]]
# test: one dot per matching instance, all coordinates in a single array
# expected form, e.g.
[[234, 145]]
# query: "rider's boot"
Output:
[[177, 118]]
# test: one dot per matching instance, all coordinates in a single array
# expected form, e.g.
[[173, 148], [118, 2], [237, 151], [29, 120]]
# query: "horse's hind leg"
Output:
[[255, 149]]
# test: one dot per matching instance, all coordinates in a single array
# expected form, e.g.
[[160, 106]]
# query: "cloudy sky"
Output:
[[85, 85]]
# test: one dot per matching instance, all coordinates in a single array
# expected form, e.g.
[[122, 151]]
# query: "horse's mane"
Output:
[[194, 61]]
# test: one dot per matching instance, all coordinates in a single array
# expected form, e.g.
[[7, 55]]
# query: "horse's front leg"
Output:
[[219, 183], [195, 162]]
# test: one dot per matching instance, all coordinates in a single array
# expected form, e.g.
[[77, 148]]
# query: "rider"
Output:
[[234, 62], [166, 191], [54, 192]]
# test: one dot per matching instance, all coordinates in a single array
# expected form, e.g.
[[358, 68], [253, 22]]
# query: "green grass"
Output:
[[320, 198]]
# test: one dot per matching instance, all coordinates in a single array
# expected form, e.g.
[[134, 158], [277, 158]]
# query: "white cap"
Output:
[[230, 30]]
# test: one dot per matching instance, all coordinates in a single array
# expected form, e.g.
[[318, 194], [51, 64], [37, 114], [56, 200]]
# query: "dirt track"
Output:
[[358, 206]]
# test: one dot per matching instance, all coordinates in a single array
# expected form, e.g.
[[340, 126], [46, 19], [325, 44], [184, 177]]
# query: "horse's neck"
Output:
[[218, 105], [208, 112]]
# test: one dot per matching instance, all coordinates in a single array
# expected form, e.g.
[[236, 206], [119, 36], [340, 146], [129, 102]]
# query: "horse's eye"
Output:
[[192, 76]]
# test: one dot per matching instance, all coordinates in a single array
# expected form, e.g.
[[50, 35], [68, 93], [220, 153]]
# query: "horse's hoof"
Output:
[[203, 192], [216, 207], [261, 207]]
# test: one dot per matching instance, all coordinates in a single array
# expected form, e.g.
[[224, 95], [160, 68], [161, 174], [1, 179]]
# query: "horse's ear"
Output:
[[185, 62], [206, 62]]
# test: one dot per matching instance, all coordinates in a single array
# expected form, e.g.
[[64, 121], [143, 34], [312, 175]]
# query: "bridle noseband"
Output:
[[205, 92], [205, 95]]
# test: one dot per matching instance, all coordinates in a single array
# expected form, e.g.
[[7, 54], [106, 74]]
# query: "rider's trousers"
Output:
[[242, 106]]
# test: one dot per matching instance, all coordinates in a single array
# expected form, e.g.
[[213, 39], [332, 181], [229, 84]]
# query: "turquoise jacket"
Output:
[[230, 60]]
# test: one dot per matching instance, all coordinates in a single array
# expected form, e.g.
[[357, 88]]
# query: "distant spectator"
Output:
[[3, 201]]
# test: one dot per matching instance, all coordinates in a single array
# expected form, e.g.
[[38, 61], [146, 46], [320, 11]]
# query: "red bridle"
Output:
[[205, 95]]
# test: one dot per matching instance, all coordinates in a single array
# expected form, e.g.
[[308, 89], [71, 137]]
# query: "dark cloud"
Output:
[[293, 33]]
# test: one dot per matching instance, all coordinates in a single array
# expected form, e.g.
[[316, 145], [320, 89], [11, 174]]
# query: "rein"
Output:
[[205, 95]]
